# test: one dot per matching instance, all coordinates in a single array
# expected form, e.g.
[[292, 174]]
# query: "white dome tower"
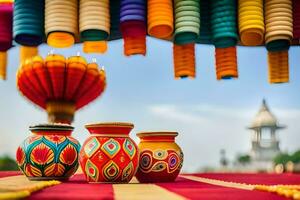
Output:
[[265, 145]]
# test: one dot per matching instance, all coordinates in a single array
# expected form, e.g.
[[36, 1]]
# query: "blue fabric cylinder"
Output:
[[28, 22]]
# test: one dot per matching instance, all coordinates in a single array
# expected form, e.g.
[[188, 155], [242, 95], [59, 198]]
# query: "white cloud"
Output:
[[205, 129], [176, 113]]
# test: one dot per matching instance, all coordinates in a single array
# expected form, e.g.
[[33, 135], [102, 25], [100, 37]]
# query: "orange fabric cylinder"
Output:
[[160, 18], [134, 45], [95, 46], [184, 60], [226, 63], [278, 67], [3, 63], [27, 52]]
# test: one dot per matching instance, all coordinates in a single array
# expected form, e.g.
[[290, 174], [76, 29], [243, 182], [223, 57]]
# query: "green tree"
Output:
[[244, 159], [295, 157], [8, 164], [282, 158]]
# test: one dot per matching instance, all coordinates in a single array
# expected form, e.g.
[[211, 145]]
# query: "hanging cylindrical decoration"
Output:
[[59, 85], [226, 63], [205, 26], [6, 15], [251, 22], [187, 21], [94, 46], [94, 22], [296, 21], [223, 23], [225, 37], [184, 60], [27, 52], [279, 24], [3, 64], [160, 18], [61, 25], [133, 26], [278, 66], [115, 31], [28, 25]]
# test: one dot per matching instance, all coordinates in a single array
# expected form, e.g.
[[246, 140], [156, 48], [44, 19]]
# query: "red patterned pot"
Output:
[[109, 154], [50, 153], [160, 157]]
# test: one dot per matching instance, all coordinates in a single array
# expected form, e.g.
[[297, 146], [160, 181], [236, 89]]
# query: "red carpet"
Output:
[[195, 191], [77, 188], [9, 173], [267, 179]]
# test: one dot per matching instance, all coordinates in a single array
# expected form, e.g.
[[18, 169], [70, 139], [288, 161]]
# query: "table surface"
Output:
[[182, 188]]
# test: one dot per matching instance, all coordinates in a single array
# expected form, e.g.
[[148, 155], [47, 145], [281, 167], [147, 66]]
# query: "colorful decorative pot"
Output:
[[160, 157], [50, 153], [109, 154]]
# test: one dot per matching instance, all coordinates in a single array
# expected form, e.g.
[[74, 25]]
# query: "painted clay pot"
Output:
[[109, 154], [50, 153], [160, 157]]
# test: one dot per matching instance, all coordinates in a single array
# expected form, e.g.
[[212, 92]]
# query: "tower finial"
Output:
[[264, 105]]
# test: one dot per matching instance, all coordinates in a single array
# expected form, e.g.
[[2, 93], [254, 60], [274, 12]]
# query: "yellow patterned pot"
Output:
[[160, 157]]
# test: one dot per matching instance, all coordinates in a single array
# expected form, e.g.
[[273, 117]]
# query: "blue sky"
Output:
[[208, 114]]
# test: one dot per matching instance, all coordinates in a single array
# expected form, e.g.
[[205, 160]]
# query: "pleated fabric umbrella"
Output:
[[60, 85], [6, 15]]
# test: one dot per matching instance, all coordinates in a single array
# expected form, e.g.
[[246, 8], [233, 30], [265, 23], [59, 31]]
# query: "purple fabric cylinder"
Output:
[[133, 7], [123, 2], [133, 10], [132, 18]]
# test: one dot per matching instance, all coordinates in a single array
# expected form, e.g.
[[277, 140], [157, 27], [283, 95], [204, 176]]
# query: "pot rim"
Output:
[[51, 127], [157, 133], [110, 124]]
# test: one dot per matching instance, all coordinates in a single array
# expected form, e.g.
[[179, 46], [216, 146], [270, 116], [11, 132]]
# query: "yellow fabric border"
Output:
[[242, 186], [17, 187], [289, 191], [143, 191], [136, 191]]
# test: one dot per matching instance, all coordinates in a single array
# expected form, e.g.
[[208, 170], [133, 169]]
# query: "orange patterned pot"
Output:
[[50, 153], [109, 154], [160, 157]]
